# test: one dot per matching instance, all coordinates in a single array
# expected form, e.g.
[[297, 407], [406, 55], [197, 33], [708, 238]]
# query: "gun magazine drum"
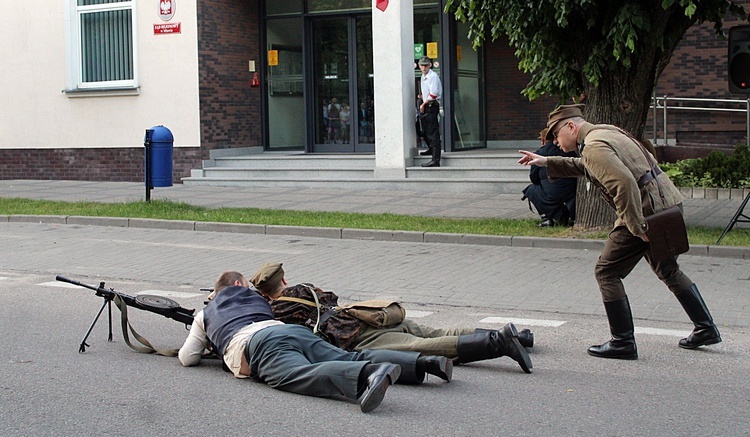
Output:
[[156, 302]]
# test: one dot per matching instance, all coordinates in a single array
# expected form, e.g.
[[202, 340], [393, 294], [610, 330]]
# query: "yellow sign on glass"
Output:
[[432, 50], [273, 58]]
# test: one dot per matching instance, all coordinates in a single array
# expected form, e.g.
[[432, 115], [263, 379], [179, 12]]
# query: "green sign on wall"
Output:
[[418, 51]]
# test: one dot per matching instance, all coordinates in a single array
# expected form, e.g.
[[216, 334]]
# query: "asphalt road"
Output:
[[49, 388]]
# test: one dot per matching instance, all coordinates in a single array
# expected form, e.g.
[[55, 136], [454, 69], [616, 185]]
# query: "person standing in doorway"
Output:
[[429, 110]]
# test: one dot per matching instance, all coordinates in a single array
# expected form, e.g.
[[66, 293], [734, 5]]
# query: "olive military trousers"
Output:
[[410, 336]]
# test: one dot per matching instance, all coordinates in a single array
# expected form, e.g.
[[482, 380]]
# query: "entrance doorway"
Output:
[[342, 89]]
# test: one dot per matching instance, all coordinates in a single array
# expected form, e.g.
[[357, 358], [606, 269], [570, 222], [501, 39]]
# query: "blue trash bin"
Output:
[[159, 143]]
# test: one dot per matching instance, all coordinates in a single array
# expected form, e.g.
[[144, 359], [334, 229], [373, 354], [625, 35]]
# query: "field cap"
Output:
[[561, 113]]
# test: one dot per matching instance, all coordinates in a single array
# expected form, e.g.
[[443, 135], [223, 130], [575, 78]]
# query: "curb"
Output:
[[736, 252]]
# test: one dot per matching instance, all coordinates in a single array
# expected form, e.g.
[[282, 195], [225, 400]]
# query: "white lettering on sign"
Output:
[[160, 29]]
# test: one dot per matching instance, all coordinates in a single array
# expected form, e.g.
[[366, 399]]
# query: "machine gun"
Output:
[[155, 304]]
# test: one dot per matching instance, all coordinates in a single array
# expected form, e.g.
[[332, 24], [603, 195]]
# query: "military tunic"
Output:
[[613, 162]]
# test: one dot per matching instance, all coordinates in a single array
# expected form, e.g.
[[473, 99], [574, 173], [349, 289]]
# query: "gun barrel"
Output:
[[179, 313], [74, 282]]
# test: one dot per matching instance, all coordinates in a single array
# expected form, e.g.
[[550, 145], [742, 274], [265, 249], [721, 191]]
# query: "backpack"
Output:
[[307, 305]]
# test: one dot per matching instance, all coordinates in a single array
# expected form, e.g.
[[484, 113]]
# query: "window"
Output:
[[102, 44]]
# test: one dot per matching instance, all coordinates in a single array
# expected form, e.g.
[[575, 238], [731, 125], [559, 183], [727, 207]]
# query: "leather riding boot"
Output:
[[622, 345], [493, 344], [427, 152], [435, 161], [525, 336], [374, 380], [705, 331], [439, 366]]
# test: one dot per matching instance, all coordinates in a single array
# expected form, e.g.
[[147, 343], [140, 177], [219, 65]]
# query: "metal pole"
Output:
[[747, 123], [666, 141], [147, 167], [653, 118]]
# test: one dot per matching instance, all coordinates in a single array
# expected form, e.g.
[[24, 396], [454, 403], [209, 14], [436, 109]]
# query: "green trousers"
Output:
[[410, 336]]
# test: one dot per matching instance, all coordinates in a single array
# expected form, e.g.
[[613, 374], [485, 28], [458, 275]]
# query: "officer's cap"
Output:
[[561, 113]]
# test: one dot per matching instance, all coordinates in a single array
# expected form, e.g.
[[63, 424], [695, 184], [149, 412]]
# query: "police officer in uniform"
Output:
[[616, 164]]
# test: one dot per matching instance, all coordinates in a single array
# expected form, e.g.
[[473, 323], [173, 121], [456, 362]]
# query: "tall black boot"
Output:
[[622, 345], [435, 161], [705, 331], [525, 336], [439, 366], [493, 344]]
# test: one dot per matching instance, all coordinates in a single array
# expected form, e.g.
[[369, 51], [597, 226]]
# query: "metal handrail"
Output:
[[662, 103]]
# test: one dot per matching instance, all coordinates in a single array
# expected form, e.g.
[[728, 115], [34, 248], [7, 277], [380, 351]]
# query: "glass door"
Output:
[[342, 85]]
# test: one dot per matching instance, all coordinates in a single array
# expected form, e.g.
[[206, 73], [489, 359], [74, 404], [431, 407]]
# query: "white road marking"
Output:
[[59, 284], [170, 294], [162, 293], [525, 322], [658, 331], [414, 314]]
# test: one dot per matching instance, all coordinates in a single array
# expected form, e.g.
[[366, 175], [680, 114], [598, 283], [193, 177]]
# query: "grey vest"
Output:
[[231, 310]]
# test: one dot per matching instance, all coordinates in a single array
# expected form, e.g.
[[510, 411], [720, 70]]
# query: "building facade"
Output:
[[86, 78]]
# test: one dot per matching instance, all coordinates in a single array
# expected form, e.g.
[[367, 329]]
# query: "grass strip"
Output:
[[169, 210]]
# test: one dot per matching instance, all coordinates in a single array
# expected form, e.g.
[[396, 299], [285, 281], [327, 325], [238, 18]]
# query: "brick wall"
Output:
[[98, 164], [228, 37], [510, 115], [698, 69]]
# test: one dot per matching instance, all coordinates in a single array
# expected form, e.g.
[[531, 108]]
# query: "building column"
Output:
[[394, 94]]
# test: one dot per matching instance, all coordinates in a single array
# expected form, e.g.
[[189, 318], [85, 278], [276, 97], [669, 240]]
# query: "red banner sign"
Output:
[[161, 29]]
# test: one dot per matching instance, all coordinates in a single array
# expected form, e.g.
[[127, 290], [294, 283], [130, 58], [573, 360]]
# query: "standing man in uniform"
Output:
[[432, 91], [616, 163]]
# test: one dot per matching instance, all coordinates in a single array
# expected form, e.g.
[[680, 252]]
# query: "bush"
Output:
[[716, 170]]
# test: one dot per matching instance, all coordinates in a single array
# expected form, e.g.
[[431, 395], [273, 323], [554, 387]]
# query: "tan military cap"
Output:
[[268, 277], [562, 112]]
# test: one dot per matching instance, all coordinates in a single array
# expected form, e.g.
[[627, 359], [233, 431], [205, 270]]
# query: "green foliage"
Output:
[[716, 170], [570, 46]]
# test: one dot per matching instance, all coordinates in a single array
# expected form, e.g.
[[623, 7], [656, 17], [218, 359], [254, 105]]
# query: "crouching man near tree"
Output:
[[239, 326]]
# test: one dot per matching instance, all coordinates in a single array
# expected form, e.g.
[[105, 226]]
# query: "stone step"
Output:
[[279, 161], [513, 173], [452, 185], [494, 171]]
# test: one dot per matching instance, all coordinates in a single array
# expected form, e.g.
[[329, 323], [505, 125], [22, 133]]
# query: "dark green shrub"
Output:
[[716, 170]]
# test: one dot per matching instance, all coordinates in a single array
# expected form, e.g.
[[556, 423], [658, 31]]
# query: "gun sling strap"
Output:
[[321, 318], [146, 300]]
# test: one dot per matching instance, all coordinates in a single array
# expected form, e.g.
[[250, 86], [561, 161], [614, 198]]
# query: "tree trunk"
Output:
[[593, 213], [621, 98]]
